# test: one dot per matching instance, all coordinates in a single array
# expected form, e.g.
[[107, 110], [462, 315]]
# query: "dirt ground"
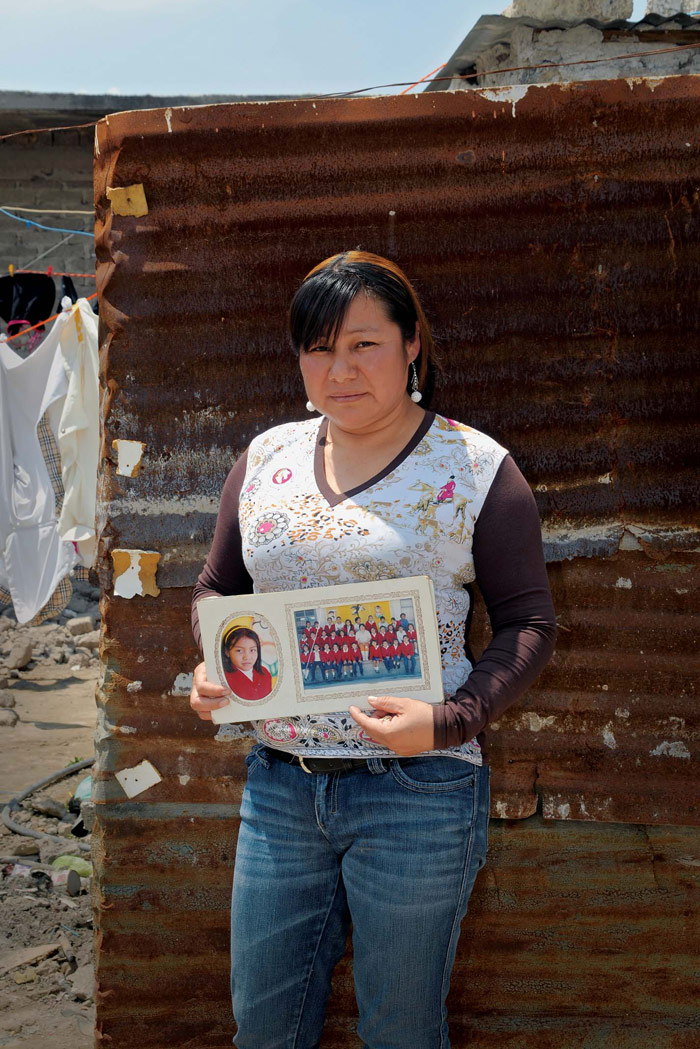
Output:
[[47, 1002]]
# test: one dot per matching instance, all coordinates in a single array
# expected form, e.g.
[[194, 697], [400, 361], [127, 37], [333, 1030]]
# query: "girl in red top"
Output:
[[411, 633], [245, 675], [356, 655], [328, 660], [375, 655], [408, 654], [315, 664], [337, 660], [345, 660]]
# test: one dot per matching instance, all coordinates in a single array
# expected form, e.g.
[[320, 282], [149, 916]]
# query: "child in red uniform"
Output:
[[408, 654], [315, 663], [345, 660], [305, 659], [337, 658], [356, 655], [328, 661], [243, 669], [375, 654]]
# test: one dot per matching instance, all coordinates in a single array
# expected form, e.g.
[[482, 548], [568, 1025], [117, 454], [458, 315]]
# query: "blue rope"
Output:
[[51, 229]]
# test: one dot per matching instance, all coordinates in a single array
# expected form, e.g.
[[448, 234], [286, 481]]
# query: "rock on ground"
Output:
[[80, 625], [19, 655], [83, 982]]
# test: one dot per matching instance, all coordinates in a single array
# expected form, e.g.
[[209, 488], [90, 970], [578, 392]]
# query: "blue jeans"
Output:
[[393, 847]]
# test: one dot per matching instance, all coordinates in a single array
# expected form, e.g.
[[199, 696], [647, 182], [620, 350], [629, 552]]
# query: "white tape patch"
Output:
[[139, 778], [129, 455], [135, 573]]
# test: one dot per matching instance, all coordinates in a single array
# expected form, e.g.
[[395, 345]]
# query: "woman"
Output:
[[243, 669], [363, 638], [377, 818]]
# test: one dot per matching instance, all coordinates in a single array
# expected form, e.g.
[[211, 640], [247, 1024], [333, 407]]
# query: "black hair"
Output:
[[320, 305], [230, 638]]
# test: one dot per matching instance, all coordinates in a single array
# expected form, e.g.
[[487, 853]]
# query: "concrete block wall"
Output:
[[54, 171]]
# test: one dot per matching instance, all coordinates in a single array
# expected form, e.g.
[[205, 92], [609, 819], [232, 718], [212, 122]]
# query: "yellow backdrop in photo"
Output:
[[379, 608]]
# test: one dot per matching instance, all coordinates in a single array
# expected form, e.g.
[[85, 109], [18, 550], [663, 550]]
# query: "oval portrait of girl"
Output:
[[249, 658]]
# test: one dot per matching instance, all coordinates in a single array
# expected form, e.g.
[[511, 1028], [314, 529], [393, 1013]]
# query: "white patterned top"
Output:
[[415, 518]]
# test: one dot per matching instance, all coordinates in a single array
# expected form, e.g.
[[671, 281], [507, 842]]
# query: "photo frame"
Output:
[[321, 649]]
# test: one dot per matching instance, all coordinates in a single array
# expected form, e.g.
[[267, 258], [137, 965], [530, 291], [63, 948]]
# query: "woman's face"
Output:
[[243, 653], [360, 379]]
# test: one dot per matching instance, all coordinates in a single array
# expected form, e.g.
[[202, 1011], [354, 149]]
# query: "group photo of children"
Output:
[[345, 643]]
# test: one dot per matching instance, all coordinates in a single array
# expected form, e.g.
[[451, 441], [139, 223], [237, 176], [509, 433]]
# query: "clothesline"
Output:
[[24, 331], [51, 272], [51, 229], [47, 211]]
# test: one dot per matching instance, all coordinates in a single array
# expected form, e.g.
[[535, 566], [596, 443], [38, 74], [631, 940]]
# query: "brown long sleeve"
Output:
[[512, 577], [224, 571]]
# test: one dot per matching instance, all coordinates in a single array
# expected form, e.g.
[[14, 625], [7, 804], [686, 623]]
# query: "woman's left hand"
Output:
[[403, 725]]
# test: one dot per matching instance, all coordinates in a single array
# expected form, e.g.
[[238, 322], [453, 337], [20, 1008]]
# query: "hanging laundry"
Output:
[[27, 297], [63, 592], [68, 288], [59, 380]]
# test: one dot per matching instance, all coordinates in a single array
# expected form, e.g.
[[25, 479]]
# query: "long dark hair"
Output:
[[321, 302], [232, 635]]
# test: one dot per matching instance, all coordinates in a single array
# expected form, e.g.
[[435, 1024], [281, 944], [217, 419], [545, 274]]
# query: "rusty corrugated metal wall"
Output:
[[553, 235]]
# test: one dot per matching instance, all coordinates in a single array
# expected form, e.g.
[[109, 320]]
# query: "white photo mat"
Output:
[[272, 626]]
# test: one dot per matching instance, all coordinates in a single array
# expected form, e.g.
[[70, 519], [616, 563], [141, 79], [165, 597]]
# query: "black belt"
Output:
[[316, 764]]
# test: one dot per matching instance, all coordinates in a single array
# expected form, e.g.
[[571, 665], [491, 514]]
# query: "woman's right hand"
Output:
[[205, 695]]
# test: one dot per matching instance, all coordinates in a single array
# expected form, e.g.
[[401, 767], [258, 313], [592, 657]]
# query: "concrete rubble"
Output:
[[46, 949], [72, 637]]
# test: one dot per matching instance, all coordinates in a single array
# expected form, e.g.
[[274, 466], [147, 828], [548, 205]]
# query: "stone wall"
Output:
[[671, 7], [52, 171], [572, 10], [533, 47]]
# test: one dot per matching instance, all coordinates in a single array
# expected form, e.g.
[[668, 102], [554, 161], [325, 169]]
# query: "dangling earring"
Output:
[[310, 407], [416, 395]]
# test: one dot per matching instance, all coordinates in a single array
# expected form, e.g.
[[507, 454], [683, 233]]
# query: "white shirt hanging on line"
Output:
[[59, 379]]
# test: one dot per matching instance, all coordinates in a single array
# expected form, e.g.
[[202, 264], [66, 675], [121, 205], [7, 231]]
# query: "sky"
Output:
[[229, 47]]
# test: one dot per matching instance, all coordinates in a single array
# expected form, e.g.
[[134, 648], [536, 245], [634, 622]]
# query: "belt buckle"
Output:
[[303, 765]]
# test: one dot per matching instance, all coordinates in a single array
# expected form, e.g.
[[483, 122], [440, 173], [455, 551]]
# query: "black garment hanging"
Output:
[[27, 297], [68, 288]]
